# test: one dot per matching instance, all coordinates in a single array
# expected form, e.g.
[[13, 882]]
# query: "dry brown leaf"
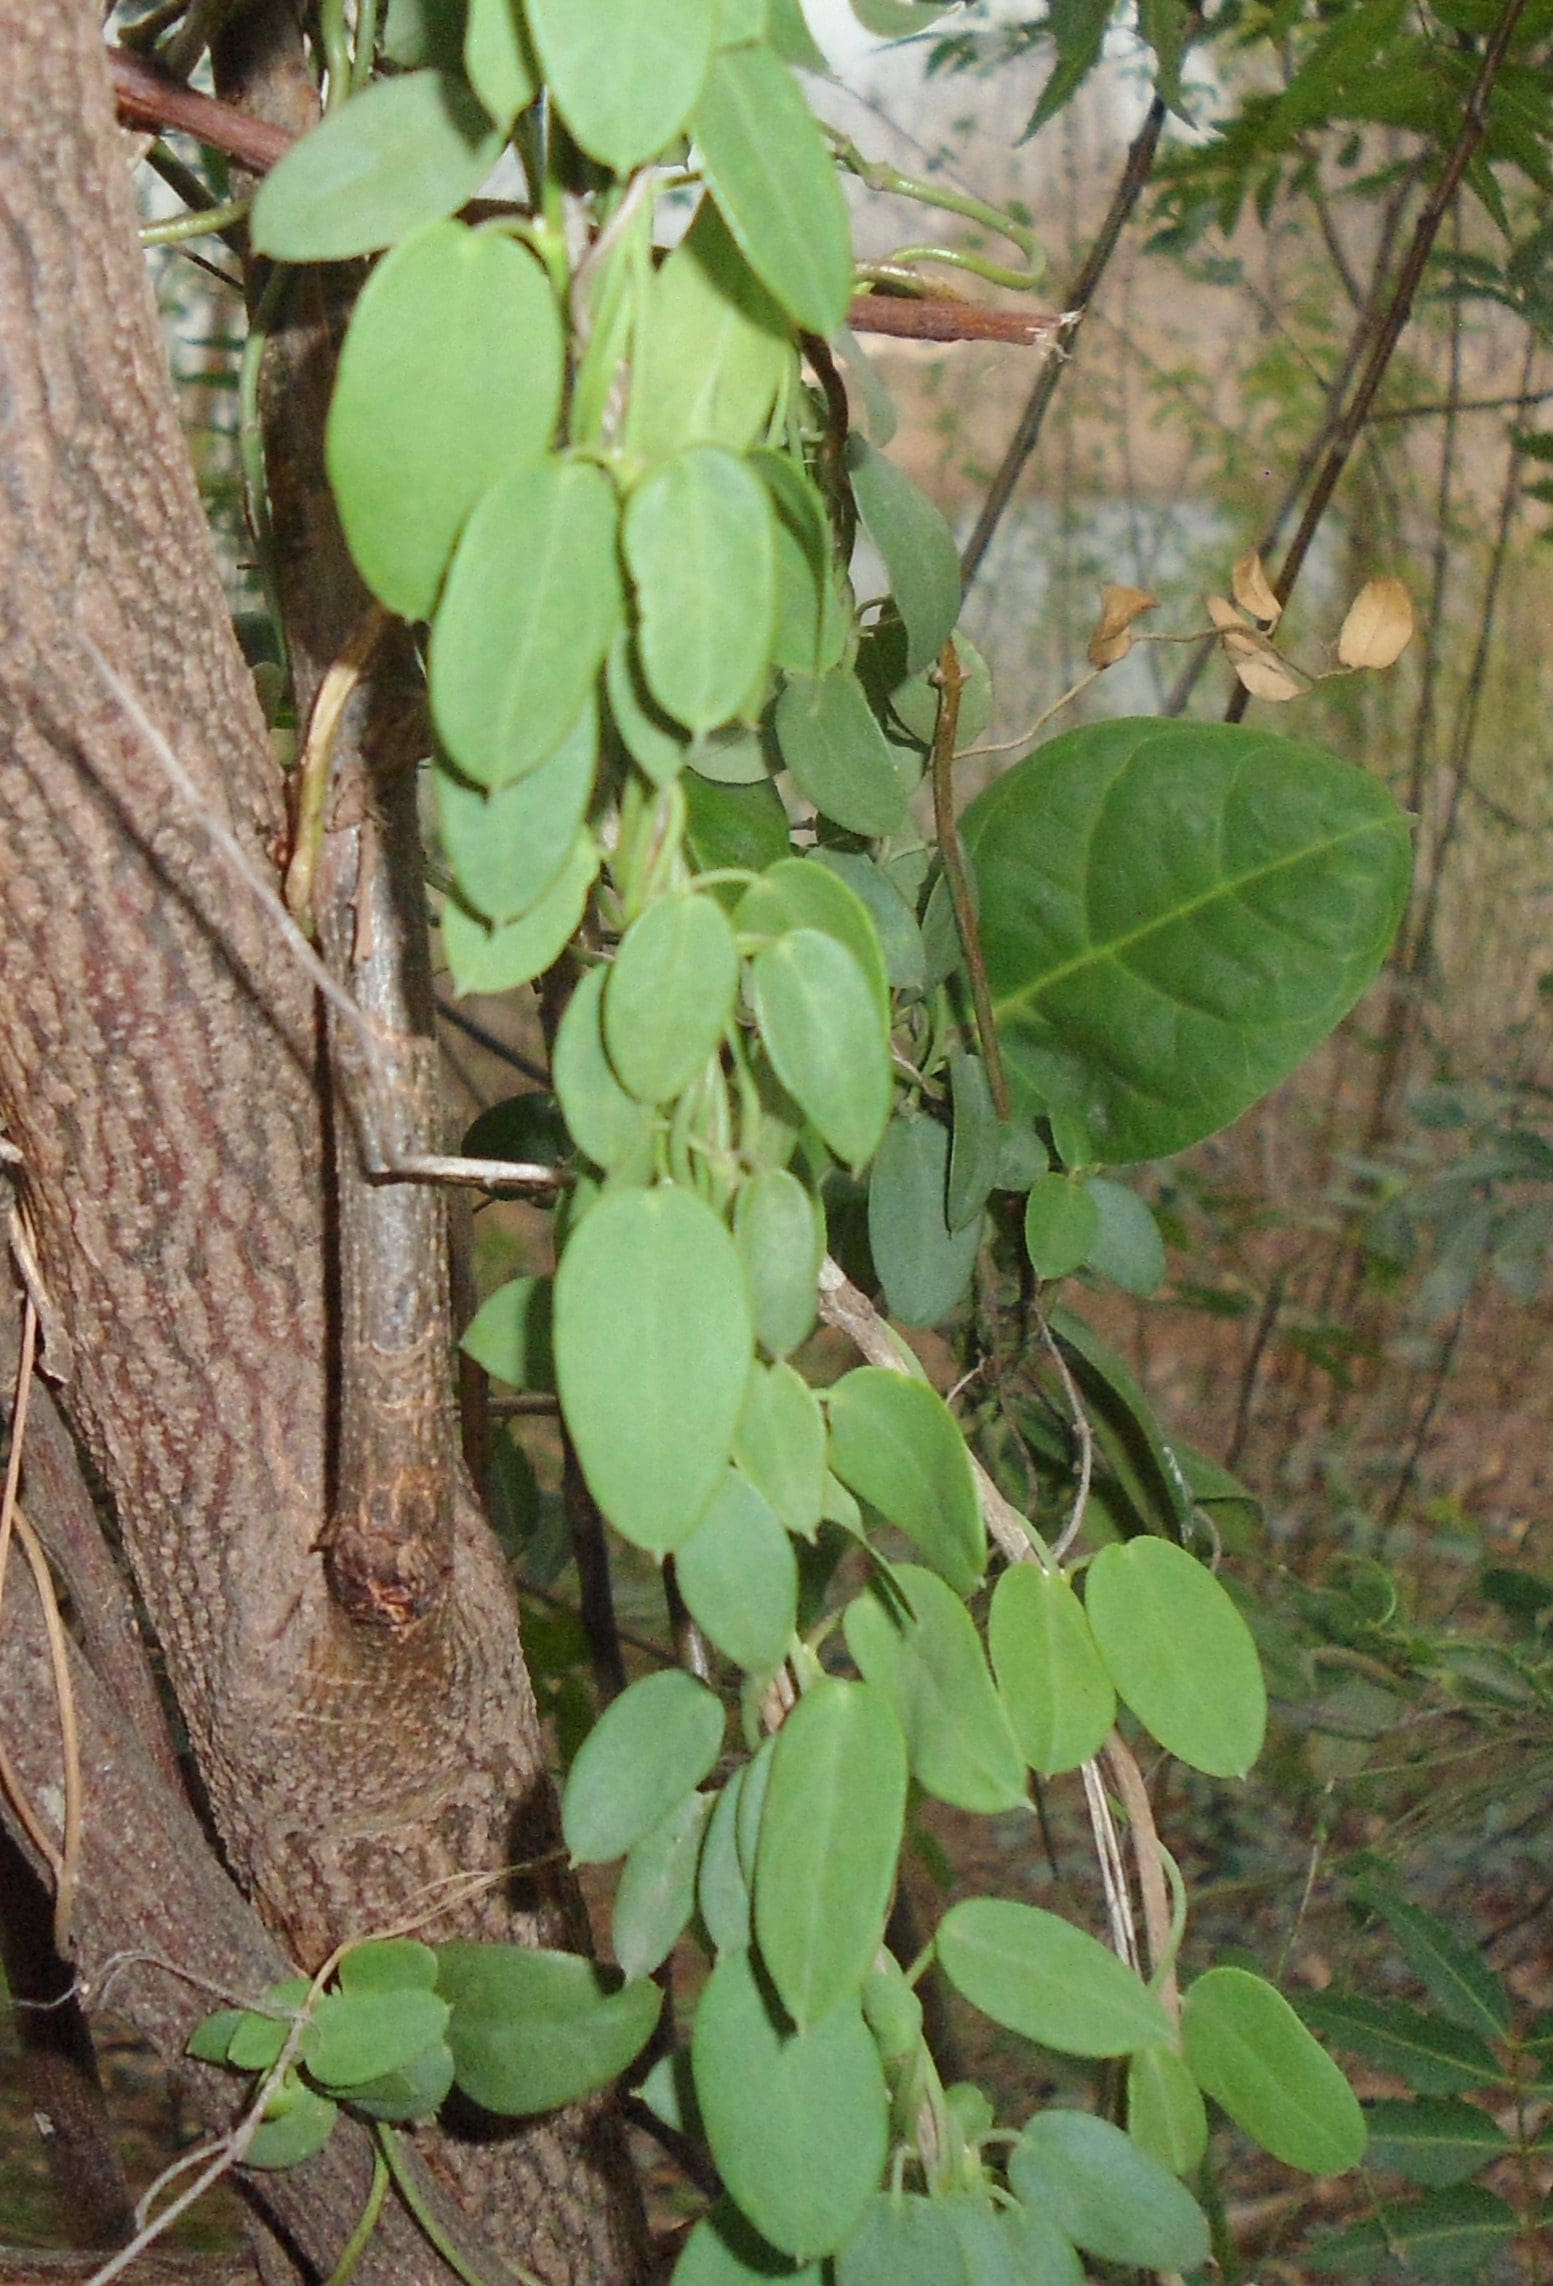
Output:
[[1258, 665], [1379, 626], [1119, 607], [1224, 615], [1253, 590]]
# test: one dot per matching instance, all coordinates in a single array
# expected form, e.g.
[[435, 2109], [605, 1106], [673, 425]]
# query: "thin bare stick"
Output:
[[1113, 1874], [13, 1466], [1081, 1429], [1120, 1760], [69, 1735]]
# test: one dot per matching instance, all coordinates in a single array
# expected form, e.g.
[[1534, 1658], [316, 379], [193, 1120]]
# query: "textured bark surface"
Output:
[[159, 1071]]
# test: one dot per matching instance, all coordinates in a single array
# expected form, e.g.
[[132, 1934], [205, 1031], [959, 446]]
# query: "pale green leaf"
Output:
[[739, 1577], [905, 2240], [626, 73], [931, 1669], [611, 1126], [1011, 2246], [405, 151], [924, 1266], [650, 1747], [1179, 1653], [779, 1230], [658, 747], [838, 755], [670, 995], [508, 846], [1250, 2052], [700, 545], [900, 940], [1106, 2194], [656, 1894], [533, 2030], [297, 2122], [812, 622], [802, 893], [712, 351], [493, 960], [819, 1020], [722, 1884], [770, 173], [498, 58], [1166, 2116], [359, 2035], [1041, 1976], [921, 560], [895, 1442], [780, 1445], [1050, 1674]]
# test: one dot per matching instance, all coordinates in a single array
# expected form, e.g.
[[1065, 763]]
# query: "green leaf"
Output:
[[798, 2122], [896, 1444], [498, 59], [830, 1836], [657, 746], [531, 602], [921, 560], [789, 34], [213, 2035], [1434, 2057], [1048, 1980], [510, 1335], [389, 1964], [1166, 2116], [1173, 915], [905, 2240], [1050, 1673], [611, 1126], [657, 1891], [838, 755], [1105, 2194], [653, 1347], [1436, 2143], [1011, 2246], [900, 940], [722, 1884], [297, 2122], [1250, 2052], [258, 2039], [780, 1445], [739, 1577], [712, 351], [733, 825], [1153, 1478], [507, 847], [670, 995], [1127, 1247], [780, 1233], [812, 622], [1078, 27], [898, 19], [416, 2090], [924, 1266], [700, 545], [404, 152], [1179, 1653], [649, 1748], [819, 1021], [723, 2250], [417, 32], [626, 73], [1062, 1222], [493, 960], [360, 2035], [803, 893], [532, 2030], [450, 375], [1446, 2234], [1459, 1980], [772, 177], [974, 1155], [930, 1667]]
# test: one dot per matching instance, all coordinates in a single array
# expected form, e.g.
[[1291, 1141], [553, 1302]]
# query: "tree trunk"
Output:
[[161, 1076]]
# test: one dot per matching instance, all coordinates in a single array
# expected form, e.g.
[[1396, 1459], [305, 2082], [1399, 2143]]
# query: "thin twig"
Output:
[[1081, 1429], [951, 684], [69, 1866]]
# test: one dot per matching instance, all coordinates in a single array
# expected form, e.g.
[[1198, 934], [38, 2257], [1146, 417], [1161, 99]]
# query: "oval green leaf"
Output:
[[611, 1126], [1062, 1223], [895, 1442], [739, 1577], [653, 1348], [360, 2035], [924, 1266], [449, 376], [830, 1837], [802, 893], [1127, 1246], [1166, 2115], [798, 2122], [405, 151], [821, 1026], [1179, 1654], [699, 544], [1250, 2052], [931, 1669], [905, 2240], [532, 2030], [838, 755], [649, 1748], [494, 960], [1050, 1673], [657, 1890], [711, 352], [780, 1445], [1105, 2194], [507, 847], [670, 995], [775, 182], [626, 73], [1041, 1976], [498, 60], [921, 560], [779, 1231], [723, 2250]]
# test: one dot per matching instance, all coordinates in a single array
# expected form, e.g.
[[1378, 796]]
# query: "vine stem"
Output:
[[951, 684], [436, 2237]]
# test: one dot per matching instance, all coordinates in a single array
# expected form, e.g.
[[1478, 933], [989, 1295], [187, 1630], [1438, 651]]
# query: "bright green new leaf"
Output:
[[360, 2035], [931, 1669], [1050, 1674], [297, 2122], [1434, 2143], [894, 2013], [820, 1023], [649, 1749], [1179, 1654], [498, 58], [626, 73], [772, 177], [450, 375], [493, 960], [1166, 2115], [780, 1445], [1062, 1223], [1127, 1247], [838, 755], [529, 607], [779, 1230], [830, 1836], [924, 1266], [1011, 2246], [802, 893], [260, 2033], [1250, 2052], [1462, 2233], [921, 560], [712, 352], [700, 546], [653, 1348], [905, 2240], [611, 1126], [1041, 1976], [798, 2122], [1107, 2196], [723, 2250], [739, 1577], [507, 847], [1173, 915], [670, 995], [895, 1442], [657, 1890], [1432, 2056], [532, 2030], [405, 151]]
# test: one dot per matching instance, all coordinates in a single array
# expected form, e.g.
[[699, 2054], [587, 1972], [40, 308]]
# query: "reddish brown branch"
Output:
[[911, 319]]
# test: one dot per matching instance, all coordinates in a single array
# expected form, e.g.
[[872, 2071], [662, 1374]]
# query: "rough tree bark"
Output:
[[162, 1079]]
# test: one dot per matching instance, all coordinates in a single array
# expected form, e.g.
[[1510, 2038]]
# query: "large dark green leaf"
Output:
[[407, 151], [1173, 915]]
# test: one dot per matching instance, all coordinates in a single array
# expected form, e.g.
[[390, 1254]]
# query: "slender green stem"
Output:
[[355, 2245], [953, 682], [337, 54], [208, 222], [366, 44], [436, 2237]]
